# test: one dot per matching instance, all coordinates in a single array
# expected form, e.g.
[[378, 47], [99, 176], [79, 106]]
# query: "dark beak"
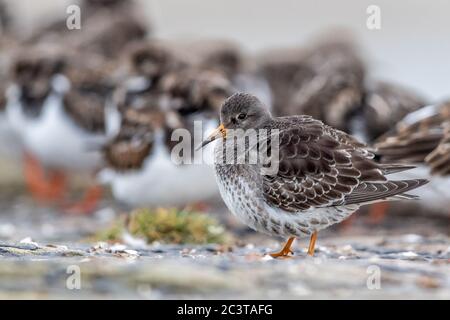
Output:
[[220, 132]]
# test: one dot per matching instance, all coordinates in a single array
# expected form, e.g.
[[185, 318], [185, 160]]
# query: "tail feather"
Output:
[[390, 190], [390, 168]]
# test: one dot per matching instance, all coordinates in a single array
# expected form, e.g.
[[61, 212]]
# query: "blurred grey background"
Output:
[[412, 47]]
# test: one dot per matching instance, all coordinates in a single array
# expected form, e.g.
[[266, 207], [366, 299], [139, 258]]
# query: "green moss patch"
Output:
[[167, 226]]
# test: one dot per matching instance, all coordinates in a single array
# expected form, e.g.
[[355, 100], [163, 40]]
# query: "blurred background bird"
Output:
[[56, 105], [60, 83], [167, 96], [107, 27], [110, 100], [423, 137], [328, 80]]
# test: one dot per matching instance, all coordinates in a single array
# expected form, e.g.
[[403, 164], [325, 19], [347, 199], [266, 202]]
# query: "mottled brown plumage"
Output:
[[320, 166], [323, 174], [135, 141]]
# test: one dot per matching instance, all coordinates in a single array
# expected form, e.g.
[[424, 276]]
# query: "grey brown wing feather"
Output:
[[369, 192], [320, 167]]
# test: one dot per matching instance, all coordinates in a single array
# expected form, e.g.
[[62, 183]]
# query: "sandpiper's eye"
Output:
[[242, 116]]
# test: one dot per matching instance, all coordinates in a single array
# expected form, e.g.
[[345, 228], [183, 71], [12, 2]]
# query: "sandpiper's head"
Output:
[[243, 111], [240, 111]]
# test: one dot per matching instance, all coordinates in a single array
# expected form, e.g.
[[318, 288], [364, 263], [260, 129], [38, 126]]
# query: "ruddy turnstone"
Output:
[[140, 166], [56, 105], [323, 176], [423, 137]]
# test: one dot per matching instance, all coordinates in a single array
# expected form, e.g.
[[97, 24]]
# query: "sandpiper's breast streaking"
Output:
[[323, 176]]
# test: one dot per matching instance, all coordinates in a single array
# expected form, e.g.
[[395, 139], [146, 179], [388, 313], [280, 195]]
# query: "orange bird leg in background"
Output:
[[57, 185], [377, 212], [88, 203], [41, 188]]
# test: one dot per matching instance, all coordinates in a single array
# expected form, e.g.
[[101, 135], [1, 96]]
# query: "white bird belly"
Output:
[[57, 142], [160, 182]]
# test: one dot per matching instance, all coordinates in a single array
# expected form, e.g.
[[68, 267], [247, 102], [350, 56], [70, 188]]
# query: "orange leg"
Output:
[[88, 203], [377, 212], [43, 188], [57, 185], [312, 243], [286, 251]]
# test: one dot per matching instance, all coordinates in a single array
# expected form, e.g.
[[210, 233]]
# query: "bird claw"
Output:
[[282, 254]]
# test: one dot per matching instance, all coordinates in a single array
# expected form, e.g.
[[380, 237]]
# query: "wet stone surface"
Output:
[[408, 266]]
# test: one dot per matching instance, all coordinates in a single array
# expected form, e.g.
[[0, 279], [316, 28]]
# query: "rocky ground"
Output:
[[46, 254], [407, 267]]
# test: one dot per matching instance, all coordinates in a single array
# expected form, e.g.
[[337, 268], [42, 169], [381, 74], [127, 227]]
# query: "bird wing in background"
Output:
[[416, 136], [439, 158]]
